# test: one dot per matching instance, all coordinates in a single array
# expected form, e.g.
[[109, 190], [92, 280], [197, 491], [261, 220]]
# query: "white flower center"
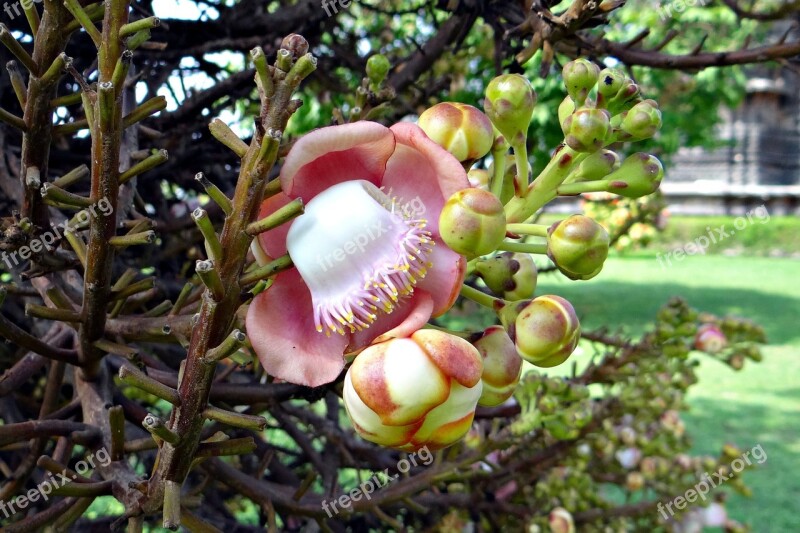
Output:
[[359, 252]]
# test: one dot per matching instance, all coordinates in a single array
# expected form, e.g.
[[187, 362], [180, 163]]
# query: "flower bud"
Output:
[[615, 91], [586, 129], [580, 76], [545, 330], [578, 246], [377, 68], [407, 393], [634, 481], [736, 361], [565, 109], [510, 275], [596, 166], [639, 175], [710, 339], [472, 222], [641, 122], [459, 128], [502, 366], [296, 44], [560, 521], [479, 178], [509, 103]]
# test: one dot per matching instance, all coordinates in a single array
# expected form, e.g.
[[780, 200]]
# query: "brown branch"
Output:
[[778, 13], [653, 59]]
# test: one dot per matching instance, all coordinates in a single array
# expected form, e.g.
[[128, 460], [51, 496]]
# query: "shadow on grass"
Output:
[[747, 425], [631, 307]]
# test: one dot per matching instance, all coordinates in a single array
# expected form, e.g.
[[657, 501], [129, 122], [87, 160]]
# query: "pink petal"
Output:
[[409, 316], [331, 155], [444, 278], [280, 326], [420, 168], [273, 242]]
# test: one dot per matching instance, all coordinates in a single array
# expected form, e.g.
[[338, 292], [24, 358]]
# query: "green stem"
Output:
[[580, 187], [85, 21], [278, 218], [230, 345], [480, 297], [156, 427], [215, 193], [543, 188], [17, 50], [232, 418], [136, 378], [143, 166], [226, 136], [270, 269], [521, 158], [524, 247], [538, 230]]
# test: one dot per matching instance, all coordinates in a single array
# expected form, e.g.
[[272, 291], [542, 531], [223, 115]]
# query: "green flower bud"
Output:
[[580, 76], [459, 128], [586, 129], [596, 166], [565, 109], [509, 103], [641, 122], [560, 428], [510, 275], [639, 175], [502, 366], [578, 246], [473, 222], [615, 91], [378, 68], [545, 330]]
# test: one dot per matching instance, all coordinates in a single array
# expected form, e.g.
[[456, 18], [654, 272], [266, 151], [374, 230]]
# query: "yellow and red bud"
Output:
[[407, 393], [472, 222], [461, 129], [502, 366], [509, 104], [710, 338], [578, 246], [545, 330]]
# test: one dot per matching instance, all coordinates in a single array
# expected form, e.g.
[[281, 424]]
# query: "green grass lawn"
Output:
[[758, 405]]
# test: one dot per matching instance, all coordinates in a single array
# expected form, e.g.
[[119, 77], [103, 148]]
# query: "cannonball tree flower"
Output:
[[369, 263], [414, 392]]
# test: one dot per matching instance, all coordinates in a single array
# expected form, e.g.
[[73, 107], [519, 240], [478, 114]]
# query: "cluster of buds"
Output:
[[630, 222], [602, 108], [731, 340]]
